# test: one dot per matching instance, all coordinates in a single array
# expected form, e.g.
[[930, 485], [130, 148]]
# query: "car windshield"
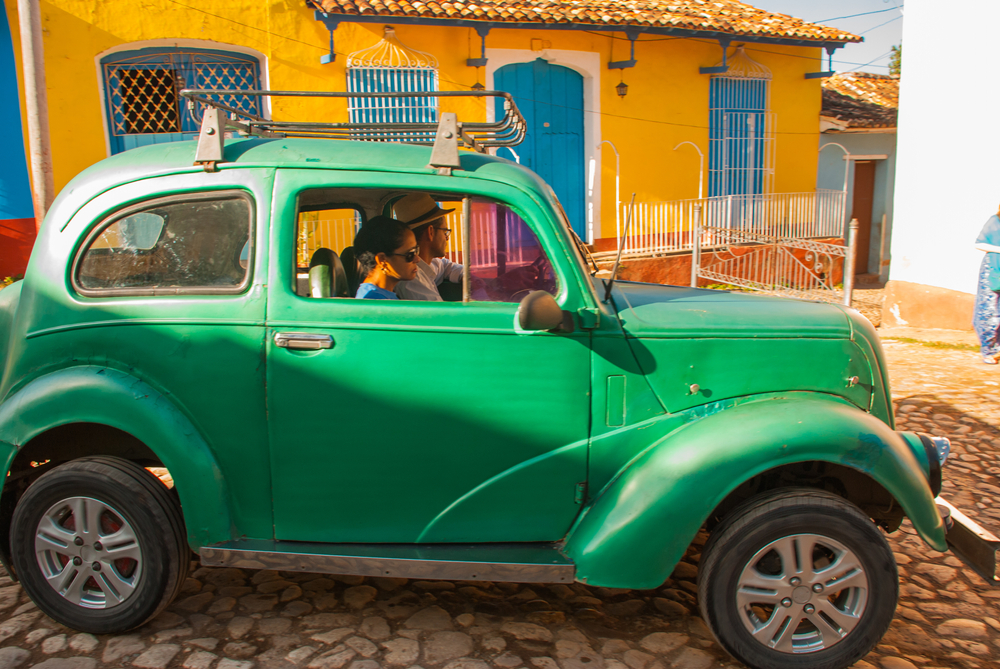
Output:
[[581, 252]]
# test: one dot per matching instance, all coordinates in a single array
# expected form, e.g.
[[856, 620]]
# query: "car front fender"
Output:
[[635, 532], [91, 394]]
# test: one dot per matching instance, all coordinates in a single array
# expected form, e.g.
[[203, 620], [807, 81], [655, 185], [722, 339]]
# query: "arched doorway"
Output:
[[551, 99]]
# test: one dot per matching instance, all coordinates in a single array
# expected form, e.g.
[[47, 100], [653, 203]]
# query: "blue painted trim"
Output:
[[719, 69], [120, 56], [632, 35], [331, 24], [482, 31], [650, 30]]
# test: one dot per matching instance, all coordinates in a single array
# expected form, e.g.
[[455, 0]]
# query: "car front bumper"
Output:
[[973, 544]]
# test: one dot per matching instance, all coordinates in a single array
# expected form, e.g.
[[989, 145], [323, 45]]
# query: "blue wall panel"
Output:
[[15, 188]]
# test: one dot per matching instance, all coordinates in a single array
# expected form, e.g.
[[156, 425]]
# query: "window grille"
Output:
[[741, 129], [148, 102], [141, 91], [391, 67]]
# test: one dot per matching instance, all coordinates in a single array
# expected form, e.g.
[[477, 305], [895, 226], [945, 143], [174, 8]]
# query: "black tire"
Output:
[[843, 624], [142, 568]]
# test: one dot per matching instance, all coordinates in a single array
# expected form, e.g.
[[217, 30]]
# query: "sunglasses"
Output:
[[408, 256], [446, 231]]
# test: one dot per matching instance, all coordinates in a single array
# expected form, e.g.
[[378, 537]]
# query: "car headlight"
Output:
[[943, 448]]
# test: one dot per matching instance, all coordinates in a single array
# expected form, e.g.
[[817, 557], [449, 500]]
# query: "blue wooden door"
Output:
[[551, 99]]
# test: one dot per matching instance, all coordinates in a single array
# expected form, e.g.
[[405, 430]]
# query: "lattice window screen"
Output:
[[148, 101]]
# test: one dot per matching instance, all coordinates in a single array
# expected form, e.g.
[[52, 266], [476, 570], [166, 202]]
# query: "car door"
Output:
[[423, 421]]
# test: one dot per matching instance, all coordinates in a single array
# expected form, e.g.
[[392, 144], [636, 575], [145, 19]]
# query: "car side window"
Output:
[[318, 232], [506, 260], [196, 243]]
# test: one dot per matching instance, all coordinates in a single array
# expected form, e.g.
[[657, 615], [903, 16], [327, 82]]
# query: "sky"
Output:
[[881, 30]]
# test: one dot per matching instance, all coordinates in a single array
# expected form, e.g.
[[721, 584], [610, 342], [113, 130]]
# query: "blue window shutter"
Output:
[[737, 133], [392, 80]]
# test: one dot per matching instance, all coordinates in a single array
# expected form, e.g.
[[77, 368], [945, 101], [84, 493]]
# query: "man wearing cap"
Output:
[[422, 214]]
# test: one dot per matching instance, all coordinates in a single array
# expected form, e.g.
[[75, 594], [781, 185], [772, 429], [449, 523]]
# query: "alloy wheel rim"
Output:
[[802, 593], [88, 553]]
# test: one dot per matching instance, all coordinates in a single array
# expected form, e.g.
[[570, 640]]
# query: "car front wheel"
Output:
[[98, 544], [798, 578]]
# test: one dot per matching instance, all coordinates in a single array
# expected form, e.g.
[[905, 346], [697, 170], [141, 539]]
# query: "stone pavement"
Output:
[[233, 619]]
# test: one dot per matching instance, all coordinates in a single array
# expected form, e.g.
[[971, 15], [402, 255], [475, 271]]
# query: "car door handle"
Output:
[[302, 341]]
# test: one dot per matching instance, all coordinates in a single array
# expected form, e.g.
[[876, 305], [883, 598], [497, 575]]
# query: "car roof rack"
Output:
[[446, 135]]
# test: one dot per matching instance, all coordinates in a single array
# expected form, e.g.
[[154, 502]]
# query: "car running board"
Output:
[[514, 563]]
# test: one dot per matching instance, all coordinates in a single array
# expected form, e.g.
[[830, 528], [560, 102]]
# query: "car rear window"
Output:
[[197, 243]]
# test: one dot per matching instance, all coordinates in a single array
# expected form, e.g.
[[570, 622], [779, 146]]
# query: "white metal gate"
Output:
[[779, 265]]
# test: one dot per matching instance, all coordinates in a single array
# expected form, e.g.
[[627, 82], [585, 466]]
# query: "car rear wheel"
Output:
[[798, 578], [98, 544]]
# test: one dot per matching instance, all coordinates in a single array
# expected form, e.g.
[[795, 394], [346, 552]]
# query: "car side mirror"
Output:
[[540, 311]]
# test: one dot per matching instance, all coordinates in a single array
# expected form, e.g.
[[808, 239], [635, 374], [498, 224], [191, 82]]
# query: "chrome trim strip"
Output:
[[213, 322], [560, 571]]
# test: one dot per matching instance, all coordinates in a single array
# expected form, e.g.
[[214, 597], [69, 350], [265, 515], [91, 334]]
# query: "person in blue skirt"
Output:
[[986, 318]]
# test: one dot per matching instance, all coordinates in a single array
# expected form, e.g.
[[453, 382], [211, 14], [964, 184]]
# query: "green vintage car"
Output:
[[542, 426]]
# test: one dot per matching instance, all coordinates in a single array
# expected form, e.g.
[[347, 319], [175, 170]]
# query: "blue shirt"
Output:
[[369, 291], [990, 234]]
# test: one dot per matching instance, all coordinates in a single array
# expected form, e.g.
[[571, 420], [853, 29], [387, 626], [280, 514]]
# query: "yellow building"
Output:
[[607, 88]]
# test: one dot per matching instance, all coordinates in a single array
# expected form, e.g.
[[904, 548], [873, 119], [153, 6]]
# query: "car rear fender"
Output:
[[91, 394], [636, 530], [9, 298]]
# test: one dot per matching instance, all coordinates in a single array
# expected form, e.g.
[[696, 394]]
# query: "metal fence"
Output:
[[664, 227], [776, 264]]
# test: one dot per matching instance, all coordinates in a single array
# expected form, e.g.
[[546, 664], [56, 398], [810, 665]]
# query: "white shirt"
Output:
[[429, 277]]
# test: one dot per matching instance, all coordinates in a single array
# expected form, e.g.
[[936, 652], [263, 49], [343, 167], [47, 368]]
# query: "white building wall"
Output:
[[948, 160]]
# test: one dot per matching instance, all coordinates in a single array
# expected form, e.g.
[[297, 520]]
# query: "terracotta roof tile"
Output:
[[723, 16], [862, 99]]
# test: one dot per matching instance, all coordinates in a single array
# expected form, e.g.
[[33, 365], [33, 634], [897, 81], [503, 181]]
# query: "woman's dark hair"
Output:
[[380, 234]]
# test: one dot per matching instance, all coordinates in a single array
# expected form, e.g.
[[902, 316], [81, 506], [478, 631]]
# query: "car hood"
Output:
[[698, 346], [656, 311]]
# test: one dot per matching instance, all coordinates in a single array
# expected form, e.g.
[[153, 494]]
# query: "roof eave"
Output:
[[594, 27]]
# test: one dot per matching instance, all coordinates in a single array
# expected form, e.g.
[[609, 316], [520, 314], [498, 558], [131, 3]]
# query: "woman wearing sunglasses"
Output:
[[387, 253]]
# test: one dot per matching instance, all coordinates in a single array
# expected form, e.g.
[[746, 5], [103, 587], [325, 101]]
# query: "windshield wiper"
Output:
[[621, 245]]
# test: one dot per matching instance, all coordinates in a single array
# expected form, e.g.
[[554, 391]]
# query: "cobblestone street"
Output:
[[232, 619]]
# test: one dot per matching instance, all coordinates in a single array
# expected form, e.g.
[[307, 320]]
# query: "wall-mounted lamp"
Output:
[[621, 89], [478, 87]]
